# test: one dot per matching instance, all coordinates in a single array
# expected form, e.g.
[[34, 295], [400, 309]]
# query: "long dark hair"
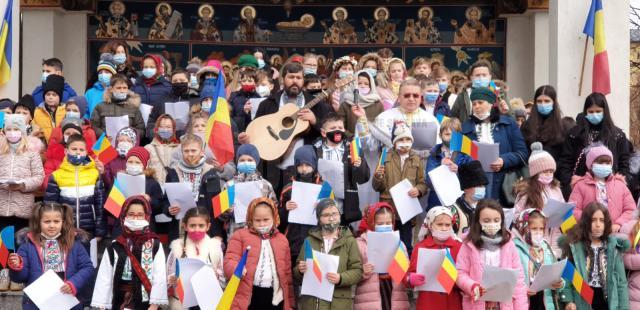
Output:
[[582, 231], [607, 128], [546, 129], [476, 228], [535, 191]]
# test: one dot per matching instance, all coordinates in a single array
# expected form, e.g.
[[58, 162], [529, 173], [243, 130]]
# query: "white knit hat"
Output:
[[401, 130]]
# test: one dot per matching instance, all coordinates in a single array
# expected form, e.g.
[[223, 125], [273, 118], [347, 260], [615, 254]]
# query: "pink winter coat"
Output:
[[26, 167], [632, 263], [620, 202], [368, 290], [470, 268], [553, 234]]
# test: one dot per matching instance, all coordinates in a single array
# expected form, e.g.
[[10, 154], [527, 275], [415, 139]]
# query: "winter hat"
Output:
[[157, 60], [54, 83], [323, 204], [368, 221], [106, 63], [540, 160], [401, 130], [472, 175], [248, 149], [211, 66], [72, 122], [80, 101], [520, 113], [195, 64], [521, 224], [129, 132], [27, 102], [248, 60], [596, 151], [15, 120], [483, 93], [6, 103], [306, 154], [141, 153]]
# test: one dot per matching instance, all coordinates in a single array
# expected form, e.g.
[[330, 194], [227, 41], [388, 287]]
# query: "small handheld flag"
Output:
[[399, 265], [355, 150], [463, 144], [326, 191], [636, 239], [448, 273], [441, 118], [571, 275], [179, 290], [494, 88], [115, 200], [308, 254], [103, 150], [232, 286], [223, 201], [7, 236], [383, 158], [568, 221]]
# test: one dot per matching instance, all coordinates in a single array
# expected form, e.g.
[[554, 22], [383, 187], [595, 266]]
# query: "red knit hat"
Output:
[[141, 153]]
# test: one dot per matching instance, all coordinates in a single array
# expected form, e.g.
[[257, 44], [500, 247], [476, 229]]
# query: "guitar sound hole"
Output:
[[287, 122]]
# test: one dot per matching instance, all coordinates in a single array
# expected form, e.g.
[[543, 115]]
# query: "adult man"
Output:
[[480, 76]]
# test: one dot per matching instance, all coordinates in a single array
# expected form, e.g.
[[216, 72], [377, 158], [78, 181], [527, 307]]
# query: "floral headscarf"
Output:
[[252, 208]]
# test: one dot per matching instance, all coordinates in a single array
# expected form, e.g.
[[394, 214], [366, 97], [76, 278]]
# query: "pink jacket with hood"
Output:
[[620, 201]]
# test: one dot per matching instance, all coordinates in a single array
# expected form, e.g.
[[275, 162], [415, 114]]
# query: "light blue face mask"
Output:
[[443, 87], [261, 63], [119, 96], [371, 71], [44, 77], [479, 193], [544, 108], [595, 118], [247, 167], [71, 114], [308, 71], [120, 58], [431, 98], [480, 82], [601, 170], [384, 228], [345, 74], [149, 72], [104, 78]]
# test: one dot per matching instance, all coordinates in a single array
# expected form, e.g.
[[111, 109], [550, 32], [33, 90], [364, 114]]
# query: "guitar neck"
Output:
[[319, 97]]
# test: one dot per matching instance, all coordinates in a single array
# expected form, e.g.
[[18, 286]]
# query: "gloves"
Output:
[[416, 279]]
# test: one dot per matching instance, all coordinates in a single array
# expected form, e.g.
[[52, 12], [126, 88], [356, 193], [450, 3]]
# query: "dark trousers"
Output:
[[261, 299], [406, 234], [599, 302]]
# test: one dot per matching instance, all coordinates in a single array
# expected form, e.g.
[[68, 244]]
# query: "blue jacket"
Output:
[[77, 265], [441, 107], [434, 161], [154, 94], [38, 94], [94, 97], [513, 150]]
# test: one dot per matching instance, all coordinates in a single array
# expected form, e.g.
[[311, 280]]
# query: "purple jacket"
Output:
[[77, 265], [470, 269]]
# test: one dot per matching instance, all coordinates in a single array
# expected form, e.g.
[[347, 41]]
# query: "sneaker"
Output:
[[16, 286], [4, 279]]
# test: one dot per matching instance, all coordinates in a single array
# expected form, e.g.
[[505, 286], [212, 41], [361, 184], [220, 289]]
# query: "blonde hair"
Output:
[[419, 61], [23, 145], [450, 123]]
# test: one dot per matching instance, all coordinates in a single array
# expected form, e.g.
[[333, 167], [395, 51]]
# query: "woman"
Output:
[[152, 86], [343, 68]]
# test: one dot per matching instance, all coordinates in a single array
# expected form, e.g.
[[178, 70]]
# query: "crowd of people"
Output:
[[53, 187]]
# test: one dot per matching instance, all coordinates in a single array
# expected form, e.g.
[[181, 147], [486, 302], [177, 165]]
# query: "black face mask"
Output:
[[304, 177], [179, 88], [313, 91], [335, 136]]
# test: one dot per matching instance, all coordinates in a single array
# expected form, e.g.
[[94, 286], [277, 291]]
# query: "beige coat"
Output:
[[160, 158], [26, 167]]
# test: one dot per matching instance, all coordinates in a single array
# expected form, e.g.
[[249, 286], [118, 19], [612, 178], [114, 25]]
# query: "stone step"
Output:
[[11, 300]]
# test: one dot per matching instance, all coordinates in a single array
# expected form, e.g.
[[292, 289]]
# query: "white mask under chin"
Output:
[[482, 116]]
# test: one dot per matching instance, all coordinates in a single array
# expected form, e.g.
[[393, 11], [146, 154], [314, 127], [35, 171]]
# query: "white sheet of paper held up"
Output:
[[407, 207], [45, 293], [305, 196]]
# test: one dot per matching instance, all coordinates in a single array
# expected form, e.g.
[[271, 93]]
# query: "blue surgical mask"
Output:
[[193, 81], [481, 82], [104, 78], [384, 228], [442, 86], [247, 167], [261, 63], [149, 72], [119, 58], [601, 170], [479, 193], [206, 106], [165, 133], [371, 71], [431, 98], [44, 77], [119, 96], [76, 160], [71, 114], [544, 108], [595, 118], [308, 71], [345, 74]]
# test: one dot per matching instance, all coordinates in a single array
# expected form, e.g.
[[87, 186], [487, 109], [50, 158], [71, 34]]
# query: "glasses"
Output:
[[330, 215], [415, 96]]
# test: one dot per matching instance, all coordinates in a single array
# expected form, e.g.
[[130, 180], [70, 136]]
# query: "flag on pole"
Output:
[[448, 274], [399, 265], [355, 149], [115, 200], [5, 44], [383, 158], [7, 236], [223, 201], [219, 137], [463, 144], [308, 254], [179, 287], [571, 275], [326, 191], [594, 28], [234, 282], [104, 150]]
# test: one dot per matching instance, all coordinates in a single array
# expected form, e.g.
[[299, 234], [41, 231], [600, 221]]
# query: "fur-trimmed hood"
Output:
[[208, 250], [133, 99]]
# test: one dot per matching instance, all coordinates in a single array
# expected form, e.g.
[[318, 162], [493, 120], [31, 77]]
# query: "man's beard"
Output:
[[293, 90]]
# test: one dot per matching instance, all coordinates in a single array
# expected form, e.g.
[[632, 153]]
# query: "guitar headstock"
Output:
[[343, 82]]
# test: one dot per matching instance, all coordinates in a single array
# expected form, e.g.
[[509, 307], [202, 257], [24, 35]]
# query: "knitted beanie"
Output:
[[17, 121], [80, 101], [306, 154], [248, 149], [54, 83], [596, 151], [106, 63], [483, 93], [141, 153], [72, 122], [400, 131], [540, 160], [248, 60], [27, 102]]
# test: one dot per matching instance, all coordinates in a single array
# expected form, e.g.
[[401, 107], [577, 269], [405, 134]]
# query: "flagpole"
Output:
[[584, 58]]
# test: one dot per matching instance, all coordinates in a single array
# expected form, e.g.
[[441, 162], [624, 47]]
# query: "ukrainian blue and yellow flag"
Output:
[[5, 45]]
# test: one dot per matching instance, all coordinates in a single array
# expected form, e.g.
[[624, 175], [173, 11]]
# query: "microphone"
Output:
[[356, 95]]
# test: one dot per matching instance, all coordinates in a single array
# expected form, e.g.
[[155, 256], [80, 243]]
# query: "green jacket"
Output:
[[617, 291], [349, 268], [549, 258]]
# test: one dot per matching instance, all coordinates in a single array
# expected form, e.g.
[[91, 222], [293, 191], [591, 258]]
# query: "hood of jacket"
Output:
[[133, 99]]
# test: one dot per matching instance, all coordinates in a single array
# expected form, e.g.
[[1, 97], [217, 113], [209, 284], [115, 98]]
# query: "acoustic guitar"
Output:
[[273, 134]]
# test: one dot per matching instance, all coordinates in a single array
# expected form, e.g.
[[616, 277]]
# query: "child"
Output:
[[488, 243], [443, 77], [26, 107], [126, 139], [433, 102], [535, 251], [106, 69], [265, 84], [77, 183], [239, 100], [162, 146], [312, 82], [632, 263], [50, 245], [396, 73], [597, 256], [267, 282], [421, 65], [601, 185], [196, 244], [330, 238], [132, 273], [118, 101], [539, 188], [51, 66], [368, 100], [473, 183], [377, 291], [438, 234], [401, 163], [52, 112]]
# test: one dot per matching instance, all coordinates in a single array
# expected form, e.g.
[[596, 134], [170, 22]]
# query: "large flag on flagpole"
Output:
[[5, 44], [594, 28], [219, 137]]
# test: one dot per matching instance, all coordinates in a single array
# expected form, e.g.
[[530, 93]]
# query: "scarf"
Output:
[[491, 244], [136, 238], [193, 175]]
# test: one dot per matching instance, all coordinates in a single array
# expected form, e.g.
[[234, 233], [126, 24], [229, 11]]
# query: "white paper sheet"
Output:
[[131, 184], [429, 264], [180, 194], [255, 103], [555, 211], [161, 218], [45, 293], [508, 217], [93, 252], [114, 124], [145, 110], [380, 249], [446, 184], [206, 288], [487, 154], [333, 172], [547, 275], [499, 283], [406, 206], [188, 267], [245, 193], [310, 284], [287, 159], [305, 195], [425, 135], [179, 111]]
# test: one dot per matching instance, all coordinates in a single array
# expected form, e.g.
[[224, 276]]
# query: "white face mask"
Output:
[[441, 235], [263, 90], [483, 116], [537, 238], [135, 225], [264, 230], [491, 228], [134, 169], [403, 145]]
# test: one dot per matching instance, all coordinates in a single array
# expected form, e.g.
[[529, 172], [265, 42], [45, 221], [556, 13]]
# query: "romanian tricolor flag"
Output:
[[326, 191], [234, 282], [568, 221], [115, 200], [383, 158], [594, 28], [179, 290], [571, 275], [463, 144], [448, 274], [308, 255], [494, 88], [356, 149], [219, 136], [441, 118], [399, 265], [7, 236], [223, 201], [5, 44], [103, 150]]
